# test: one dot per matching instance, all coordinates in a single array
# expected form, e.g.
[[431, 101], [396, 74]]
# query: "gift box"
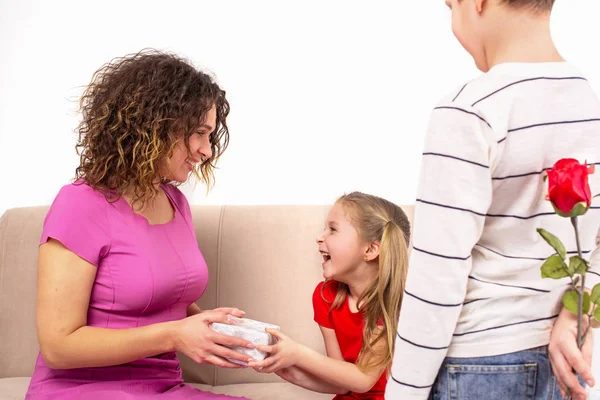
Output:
[[249, 329]]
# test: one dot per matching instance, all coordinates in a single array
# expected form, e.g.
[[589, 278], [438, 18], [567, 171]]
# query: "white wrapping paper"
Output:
[[249, 329]]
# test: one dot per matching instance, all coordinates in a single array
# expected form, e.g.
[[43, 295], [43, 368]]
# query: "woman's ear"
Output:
[[372, 251]]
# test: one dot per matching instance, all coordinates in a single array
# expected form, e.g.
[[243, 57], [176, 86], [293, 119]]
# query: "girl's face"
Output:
[[180, 165], [341, 246]]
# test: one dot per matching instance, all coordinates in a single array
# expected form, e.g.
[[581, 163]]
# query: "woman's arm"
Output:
[[64, 286], [193, 309]]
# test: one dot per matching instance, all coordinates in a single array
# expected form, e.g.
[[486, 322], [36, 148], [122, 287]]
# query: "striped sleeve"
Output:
[[455, 192]]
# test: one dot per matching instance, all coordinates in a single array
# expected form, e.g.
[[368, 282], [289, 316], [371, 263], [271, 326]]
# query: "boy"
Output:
[[477, 317]]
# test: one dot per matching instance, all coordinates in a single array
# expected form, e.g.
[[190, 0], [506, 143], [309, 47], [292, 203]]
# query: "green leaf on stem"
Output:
[[554, 267], [554, 242], [597, 314], [578, 265], [595, 297], [571, 302]]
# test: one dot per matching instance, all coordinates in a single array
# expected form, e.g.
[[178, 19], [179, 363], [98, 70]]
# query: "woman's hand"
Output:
[[283, 354], [194, 338], [566, 356], [193, 309], [236, 312]]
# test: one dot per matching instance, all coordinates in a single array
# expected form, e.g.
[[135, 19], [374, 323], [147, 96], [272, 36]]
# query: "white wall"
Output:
[[327, 96]]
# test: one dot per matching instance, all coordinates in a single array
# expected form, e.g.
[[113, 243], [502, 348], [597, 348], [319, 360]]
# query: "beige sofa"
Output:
[[262, 259]]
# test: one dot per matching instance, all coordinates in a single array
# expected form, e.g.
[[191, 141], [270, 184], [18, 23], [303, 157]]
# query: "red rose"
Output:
[[568, 187]]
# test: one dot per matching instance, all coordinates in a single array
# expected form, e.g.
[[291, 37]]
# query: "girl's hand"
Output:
[[283, 354], [194, 338]]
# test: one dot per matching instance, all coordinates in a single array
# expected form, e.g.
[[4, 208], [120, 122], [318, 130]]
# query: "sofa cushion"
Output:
[[15, 389], [269, 391], [262, 259]]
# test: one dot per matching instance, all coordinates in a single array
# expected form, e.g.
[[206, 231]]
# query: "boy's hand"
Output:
[[283, 354], [566, 356]]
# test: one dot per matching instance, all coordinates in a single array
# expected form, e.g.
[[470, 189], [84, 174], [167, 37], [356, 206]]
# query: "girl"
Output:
[[364, 249]]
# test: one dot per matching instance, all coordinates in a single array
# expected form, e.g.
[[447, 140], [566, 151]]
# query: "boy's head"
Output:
[[479, 23], [535, 5]]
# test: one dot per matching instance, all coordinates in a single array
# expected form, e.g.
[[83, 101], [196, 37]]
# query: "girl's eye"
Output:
[[332, 229]]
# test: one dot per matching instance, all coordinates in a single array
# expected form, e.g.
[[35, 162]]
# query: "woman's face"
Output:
[[179, 165]]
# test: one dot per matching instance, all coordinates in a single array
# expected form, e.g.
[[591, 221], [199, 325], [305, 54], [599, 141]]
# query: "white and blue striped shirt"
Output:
[[474, 286]]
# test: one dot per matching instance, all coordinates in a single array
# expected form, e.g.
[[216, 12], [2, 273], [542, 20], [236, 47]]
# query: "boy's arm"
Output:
[[567, 359], [455, 193]]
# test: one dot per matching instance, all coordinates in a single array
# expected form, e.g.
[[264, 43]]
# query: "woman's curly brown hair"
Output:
[[135, 110]]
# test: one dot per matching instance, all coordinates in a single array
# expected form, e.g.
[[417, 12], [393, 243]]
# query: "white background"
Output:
[[326, 96]]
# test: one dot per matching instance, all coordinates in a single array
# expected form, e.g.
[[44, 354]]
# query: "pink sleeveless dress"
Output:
[[146, 274]]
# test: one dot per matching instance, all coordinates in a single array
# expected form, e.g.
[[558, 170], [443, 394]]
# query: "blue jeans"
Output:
[[524, 375]]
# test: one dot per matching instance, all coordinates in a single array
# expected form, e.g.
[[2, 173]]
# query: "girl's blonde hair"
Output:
[[379, 220]]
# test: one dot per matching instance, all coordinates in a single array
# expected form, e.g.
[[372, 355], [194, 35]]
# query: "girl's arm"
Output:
[[303, 379], [332, 346], [335, 372]]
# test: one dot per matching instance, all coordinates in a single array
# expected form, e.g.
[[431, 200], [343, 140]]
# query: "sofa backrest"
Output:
[[261, 259]]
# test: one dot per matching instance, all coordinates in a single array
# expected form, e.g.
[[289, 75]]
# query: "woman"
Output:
[[119, 266]]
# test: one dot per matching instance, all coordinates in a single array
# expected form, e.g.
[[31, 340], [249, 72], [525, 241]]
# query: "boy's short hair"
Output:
[[535, 5]]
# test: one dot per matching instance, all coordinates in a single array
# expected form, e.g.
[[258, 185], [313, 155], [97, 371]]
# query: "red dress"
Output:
[[348, 327]]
